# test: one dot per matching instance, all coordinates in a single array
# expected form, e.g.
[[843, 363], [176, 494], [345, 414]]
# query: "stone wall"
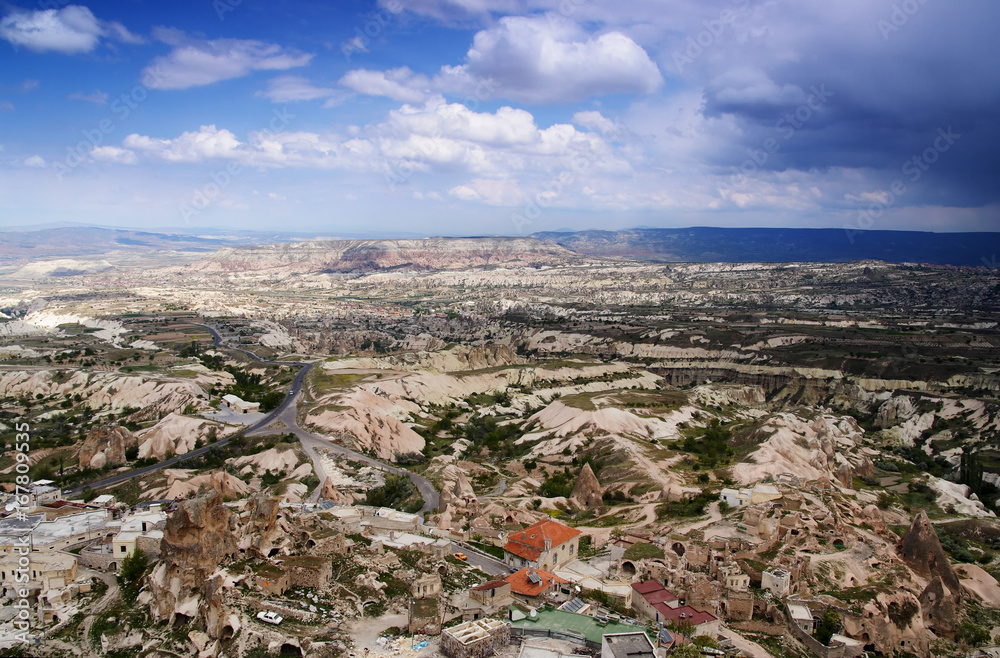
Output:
[[148, 545], [475, 639], [308, 571], [425, 617], [822, 651], [739, 606]]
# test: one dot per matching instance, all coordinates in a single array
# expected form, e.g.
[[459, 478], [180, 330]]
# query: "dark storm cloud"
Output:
[[897, 72]]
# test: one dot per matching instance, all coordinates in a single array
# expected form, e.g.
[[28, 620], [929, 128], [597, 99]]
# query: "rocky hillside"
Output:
[[344, 256]]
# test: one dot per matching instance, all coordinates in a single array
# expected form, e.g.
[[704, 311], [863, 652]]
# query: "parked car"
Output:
[[270, 617]]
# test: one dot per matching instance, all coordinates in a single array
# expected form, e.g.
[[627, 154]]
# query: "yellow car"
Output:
[[461, 556]]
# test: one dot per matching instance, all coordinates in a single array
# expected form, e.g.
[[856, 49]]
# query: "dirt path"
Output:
[[105, 601], [748, 647], [714, 515], [365, 631]]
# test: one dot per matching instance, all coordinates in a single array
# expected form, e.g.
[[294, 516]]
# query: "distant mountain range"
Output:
[[783, 245], [243, 249], [70, 242]]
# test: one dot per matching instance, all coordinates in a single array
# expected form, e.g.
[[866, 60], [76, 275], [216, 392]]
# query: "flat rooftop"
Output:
[[579, 625], [800, 612], [629, 645]]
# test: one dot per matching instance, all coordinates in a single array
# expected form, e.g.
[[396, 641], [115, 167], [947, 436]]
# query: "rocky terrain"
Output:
[[519, 381]]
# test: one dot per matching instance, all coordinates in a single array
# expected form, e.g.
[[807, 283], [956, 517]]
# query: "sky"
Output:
[[503, 117]]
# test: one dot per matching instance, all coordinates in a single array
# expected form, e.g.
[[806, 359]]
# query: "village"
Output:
[[274, 569]]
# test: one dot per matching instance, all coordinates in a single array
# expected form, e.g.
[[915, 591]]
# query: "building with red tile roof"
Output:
[[655, 602], [543, 545], [532, 584]]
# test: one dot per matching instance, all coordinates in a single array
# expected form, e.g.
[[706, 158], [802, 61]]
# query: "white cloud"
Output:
[[534, 60], [291, 88], [399, 84], [97, 97], [207, 143], [114, 154], [6, 106], [30, 85], [595, 121], [195, 63], [538, 61], [493, 192], [70, 30], [35, 161]]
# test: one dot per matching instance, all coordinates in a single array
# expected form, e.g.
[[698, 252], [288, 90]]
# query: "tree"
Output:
[[685, 628], [972, 634], [686, 651], [130, 576], [829, 623]]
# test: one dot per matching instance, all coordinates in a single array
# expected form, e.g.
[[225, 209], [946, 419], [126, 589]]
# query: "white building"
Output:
[[801, 616], [741, 497], [43, 492], [143, 530], [240, 405], [104, 500], [48, 569], [777, 581]]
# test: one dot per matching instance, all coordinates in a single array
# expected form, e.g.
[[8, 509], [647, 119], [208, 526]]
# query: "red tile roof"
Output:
[[663, 596], [658, 596], [520, 583], [647, 586], [530, 542], [690, 614]]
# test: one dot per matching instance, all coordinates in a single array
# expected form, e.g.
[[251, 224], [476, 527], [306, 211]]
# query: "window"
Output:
[[571, 549], [123, 549]]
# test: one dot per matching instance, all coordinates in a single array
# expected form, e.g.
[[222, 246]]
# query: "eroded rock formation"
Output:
[[922, 551], [196, 539], [587, 492], [106, 446]]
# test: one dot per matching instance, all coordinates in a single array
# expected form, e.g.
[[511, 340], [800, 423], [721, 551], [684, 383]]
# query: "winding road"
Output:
[[284, 415]]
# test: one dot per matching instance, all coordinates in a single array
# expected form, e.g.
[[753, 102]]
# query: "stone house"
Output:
[[308, 571], [543, 545], [426, 586]]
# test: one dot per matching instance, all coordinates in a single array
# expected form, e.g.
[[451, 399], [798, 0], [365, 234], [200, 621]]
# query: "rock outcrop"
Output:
[[196, 540], [940, 607], [923, 552], [587, 492], [105, 446], [264, 531]]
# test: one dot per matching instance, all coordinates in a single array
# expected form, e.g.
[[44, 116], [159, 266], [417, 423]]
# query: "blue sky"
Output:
[[476, 117]]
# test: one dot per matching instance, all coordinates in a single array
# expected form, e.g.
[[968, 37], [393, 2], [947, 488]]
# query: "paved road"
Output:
[[490, 565], [285, 414], [311, 444]]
